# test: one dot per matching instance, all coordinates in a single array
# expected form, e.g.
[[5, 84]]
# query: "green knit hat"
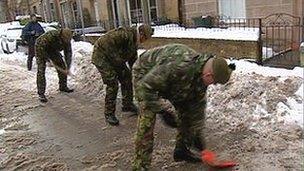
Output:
[[66, 34], [221, 70]]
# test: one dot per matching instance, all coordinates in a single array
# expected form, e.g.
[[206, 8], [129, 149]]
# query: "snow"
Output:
[[293, 108], [18, 57], [232, 33], [82, 70], [2, 131], [248, 67]]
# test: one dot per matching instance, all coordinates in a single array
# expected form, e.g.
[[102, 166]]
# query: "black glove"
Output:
[[168, 118]]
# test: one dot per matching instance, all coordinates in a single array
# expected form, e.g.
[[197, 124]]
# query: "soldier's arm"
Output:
[[68, 55], [196, 110], [152, 83], [132, 61]]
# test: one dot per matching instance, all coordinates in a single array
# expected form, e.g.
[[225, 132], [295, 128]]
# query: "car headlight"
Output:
[[11, 40]]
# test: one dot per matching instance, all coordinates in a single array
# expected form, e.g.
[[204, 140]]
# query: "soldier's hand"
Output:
[[67, 72]]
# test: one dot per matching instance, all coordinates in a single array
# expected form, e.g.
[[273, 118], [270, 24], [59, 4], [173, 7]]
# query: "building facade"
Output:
[[241, 8]]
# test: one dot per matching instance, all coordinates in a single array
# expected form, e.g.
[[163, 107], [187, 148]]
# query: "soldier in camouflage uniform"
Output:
[[114, 55], [47, 48], [181, 75]]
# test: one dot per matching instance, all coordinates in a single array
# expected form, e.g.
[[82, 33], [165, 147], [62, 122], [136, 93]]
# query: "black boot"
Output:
[[183, 154], [112, 120], [130, 108], [199, 143], [66, 89], [42, 98]]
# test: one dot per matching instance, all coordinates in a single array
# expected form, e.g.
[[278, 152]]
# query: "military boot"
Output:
[[112, 120], [183, 154], [42, 98], [130, 108], [66, 89]]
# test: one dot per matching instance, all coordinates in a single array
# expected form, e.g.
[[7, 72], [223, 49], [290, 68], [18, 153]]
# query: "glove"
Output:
[[209, 158], [168, 118]]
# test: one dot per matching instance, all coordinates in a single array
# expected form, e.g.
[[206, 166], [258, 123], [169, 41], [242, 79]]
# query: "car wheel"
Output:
[[8, 50], [3, 48]]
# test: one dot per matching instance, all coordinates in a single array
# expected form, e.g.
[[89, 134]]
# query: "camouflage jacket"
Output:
[[172, 72], [117, 47], [53, 43]]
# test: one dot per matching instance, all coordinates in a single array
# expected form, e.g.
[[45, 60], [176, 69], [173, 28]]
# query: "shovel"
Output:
[[209, 158]]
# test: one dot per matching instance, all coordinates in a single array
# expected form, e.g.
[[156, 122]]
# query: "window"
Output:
[[53, 13], [232, 8], [75, 14], [153, 10], [136, 10]]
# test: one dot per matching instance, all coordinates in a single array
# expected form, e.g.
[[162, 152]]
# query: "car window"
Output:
[[14, 33]]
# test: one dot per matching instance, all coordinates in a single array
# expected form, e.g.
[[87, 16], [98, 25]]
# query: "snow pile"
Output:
[[257, 115], [231, 33], [15, 57], [86, 75]]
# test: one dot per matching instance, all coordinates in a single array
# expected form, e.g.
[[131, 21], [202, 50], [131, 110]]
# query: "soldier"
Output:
[[111, 53], [181, 75], [30, 33], [48, 47]]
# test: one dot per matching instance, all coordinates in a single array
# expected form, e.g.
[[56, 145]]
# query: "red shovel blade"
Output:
[[209, 158]]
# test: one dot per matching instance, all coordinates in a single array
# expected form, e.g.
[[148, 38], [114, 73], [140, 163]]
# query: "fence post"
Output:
[[260, 45]]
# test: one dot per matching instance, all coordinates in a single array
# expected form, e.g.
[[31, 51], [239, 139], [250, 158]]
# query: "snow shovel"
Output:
[[64, 71], [209, 158]]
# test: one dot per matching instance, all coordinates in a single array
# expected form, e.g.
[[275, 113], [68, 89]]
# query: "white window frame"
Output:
[[233, 10]]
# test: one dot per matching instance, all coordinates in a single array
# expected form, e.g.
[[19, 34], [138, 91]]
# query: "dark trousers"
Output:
[[31, 54]]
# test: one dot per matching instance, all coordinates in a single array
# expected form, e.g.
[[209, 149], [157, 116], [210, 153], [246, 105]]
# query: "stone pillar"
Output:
[[302, 55]]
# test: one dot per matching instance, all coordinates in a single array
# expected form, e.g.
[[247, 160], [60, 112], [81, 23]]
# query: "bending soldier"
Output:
[[114, 55], [181, 75], [48, 47]]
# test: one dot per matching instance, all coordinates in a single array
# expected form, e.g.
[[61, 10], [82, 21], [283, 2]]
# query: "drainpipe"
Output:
[[79, 6], [146, 11]]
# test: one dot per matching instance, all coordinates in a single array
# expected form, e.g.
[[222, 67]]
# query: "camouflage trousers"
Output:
[[189, 131], [42, 56], [111, 76]]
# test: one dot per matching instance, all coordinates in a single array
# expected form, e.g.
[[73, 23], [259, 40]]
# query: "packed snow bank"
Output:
[[257, 116], [231, 33]]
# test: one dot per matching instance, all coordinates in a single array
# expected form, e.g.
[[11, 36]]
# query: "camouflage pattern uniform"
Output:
[[171, 72], [48, 47], [111, 52]]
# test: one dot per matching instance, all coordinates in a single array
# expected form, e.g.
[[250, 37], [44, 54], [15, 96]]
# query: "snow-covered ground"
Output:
[[231, 33], [86, 77], [260, 109]]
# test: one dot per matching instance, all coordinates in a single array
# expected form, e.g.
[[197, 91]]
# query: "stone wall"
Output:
[[225, 48], [195, 8]]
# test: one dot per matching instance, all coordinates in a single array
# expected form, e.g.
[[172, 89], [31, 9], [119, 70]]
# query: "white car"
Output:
[[11, 38]]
